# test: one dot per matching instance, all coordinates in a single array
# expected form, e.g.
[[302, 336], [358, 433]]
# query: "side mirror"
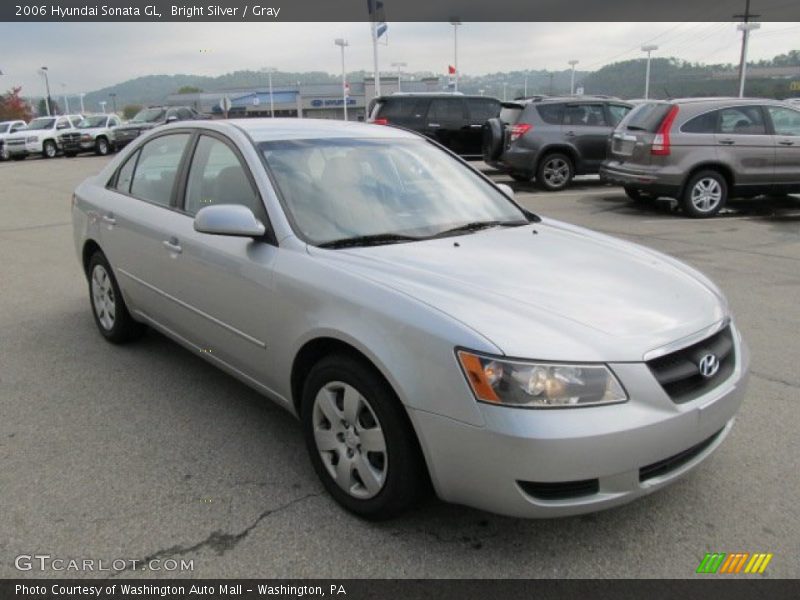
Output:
[[506, 189], [172, 119], [228, 219]]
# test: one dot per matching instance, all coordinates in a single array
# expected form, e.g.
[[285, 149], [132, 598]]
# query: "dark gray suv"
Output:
[[552, 139], [700, 151]]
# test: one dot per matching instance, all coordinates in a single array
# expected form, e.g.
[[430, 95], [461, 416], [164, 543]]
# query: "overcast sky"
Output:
[[88, 56]]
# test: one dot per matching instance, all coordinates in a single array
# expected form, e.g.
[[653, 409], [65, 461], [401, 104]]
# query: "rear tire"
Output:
[[108, 306], [353, 423], [555, 172], [705, 195]]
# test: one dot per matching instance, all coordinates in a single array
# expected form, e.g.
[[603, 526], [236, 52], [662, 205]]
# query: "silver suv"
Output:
[[701, 151], [552, 139]]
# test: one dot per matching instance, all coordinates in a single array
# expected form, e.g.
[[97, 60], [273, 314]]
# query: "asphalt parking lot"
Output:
[[146, 451]]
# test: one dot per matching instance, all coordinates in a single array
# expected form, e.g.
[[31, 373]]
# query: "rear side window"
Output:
[[742, 120], [705, 123], [646, 117], [483, 109], [443, 109], [589, 115], [617, 112], [157, 168], [551, 113], [399, 108]]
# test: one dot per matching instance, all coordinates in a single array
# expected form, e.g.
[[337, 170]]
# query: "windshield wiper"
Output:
[[369, 240], [477, 226]]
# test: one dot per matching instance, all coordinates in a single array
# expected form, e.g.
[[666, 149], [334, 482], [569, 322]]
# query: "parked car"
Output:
[[377, 288], [552, 139], [701, 151], [7, 128], [95, 133], [149, 118], [41, 136], [453, 120]]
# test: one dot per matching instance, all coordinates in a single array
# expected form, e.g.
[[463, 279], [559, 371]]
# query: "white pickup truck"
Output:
[[7, 128], [41, 136], [94, 134]]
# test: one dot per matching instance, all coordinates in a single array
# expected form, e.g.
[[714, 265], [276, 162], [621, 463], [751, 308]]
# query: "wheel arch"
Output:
[[557, 148], [90, 246], [711, 165]]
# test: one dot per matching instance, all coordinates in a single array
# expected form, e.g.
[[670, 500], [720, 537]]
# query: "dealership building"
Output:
[[318, 101]]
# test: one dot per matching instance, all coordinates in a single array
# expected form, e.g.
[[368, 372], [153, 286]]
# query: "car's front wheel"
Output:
[[101, 146], [108, 306], [359, 439], [555, 172], [705, 194], [49, 149], [4, 155]]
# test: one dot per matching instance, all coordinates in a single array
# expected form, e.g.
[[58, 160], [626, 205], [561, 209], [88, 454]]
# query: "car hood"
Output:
[[548, 291]]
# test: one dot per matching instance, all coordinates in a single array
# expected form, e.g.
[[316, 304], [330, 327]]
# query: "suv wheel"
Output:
[[101, 146], [49, 149], [555, 172], [638, 195], [359, 439], [705, 195]]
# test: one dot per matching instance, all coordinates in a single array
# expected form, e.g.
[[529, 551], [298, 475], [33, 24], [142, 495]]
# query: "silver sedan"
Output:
[[427, 330]]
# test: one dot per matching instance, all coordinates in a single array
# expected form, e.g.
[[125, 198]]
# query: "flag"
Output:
[[451, 70]]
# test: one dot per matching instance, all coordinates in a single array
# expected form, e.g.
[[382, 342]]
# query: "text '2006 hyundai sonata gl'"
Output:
[[424, 328]]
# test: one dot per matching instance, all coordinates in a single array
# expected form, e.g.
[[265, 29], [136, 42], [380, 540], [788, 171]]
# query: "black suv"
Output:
[[149, 118], [552, 139], [453, 120]]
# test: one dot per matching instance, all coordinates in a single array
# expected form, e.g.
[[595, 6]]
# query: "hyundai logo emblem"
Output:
[[708, 365]]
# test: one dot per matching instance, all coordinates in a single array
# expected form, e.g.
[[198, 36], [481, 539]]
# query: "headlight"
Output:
[[540, 385], [32, 139]]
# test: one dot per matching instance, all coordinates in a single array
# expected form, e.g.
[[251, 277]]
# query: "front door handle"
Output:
[[786, 143], [727, 142], [109, 219], [433, 125], [172, 245]]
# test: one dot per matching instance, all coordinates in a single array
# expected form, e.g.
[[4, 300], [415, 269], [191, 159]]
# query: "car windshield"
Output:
[[4, 127], [45, 123], [96, 121], [148, 115], [389, 190]]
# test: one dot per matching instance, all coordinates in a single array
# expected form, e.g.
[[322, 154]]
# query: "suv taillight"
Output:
[[661, 143], [380, 121], [517, 131]]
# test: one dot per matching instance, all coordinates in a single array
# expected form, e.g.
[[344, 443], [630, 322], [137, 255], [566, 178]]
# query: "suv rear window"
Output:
[[551, 113], [510, 113], [646, 117], [483, 109]]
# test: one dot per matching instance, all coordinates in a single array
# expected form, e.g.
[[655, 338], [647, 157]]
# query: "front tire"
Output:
[[49, 149], [555, 172], [108, 306], [101, 146], [705, 195], [359, 439]]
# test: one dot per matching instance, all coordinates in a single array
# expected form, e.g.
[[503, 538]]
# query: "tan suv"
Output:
[[703, 150]]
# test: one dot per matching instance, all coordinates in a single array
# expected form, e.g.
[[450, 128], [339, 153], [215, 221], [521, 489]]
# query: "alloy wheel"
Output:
[[556, 172], [103, 299], [706, 194], [350, 440]]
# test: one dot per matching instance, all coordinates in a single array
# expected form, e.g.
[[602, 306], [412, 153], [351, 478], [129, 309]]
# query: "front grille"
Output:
[[560, 490], [679, 372], [70, 137], [662, 467]]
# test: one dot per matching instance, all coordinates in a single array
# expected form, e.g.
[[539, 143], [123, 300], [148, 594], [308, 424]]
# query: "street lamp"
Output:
[[103, 106], [83, 111], [47, 100], [269, 71], [342, 43], [455, 23], [745, 28], [648, 48], [66, 100], [113, 96], [572, 63], [398, 65]]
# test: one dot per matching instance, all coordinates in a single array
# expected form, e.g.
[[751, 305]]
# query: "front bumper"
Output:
[[616, 453]]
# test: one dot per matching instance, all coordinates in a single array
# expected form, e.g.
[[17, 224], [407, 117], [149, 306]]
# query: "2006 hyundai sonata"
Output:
[[424, 327]]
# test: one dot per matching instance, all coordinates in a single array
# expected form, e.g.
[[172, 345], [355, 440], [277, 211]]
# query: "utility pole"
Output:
[[648, 48], [745, 27], [47, 100], [455, 23]]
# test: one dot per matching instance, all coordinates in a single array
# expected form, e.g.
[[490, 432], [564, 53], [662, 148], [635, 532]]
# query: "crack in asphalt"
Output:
[[219, 541], [774, 379]]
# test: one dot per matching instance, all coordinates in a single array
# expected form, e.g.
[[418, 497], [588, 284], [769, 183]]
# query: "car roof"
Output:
[[268, 129], [715, 100]]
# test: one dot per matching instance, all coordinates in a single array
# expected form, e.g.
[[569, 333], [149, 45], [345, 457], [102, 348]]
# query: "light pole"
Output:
[[113, 101], [480, 91], [83, 110], [103, 106], [342, 43], [648, 48], [398, 65], [47, 101], [525, 92], [269, 71], [745, 28], [66, 100], [455, 23], [572, 63], [505, 87]]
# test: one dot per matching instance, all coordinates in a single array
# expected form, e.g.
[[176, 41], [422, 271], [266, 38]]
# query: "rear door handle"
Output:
[[433, 125], [172, 245], [786, 143], [109, 219], [727, 142]]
